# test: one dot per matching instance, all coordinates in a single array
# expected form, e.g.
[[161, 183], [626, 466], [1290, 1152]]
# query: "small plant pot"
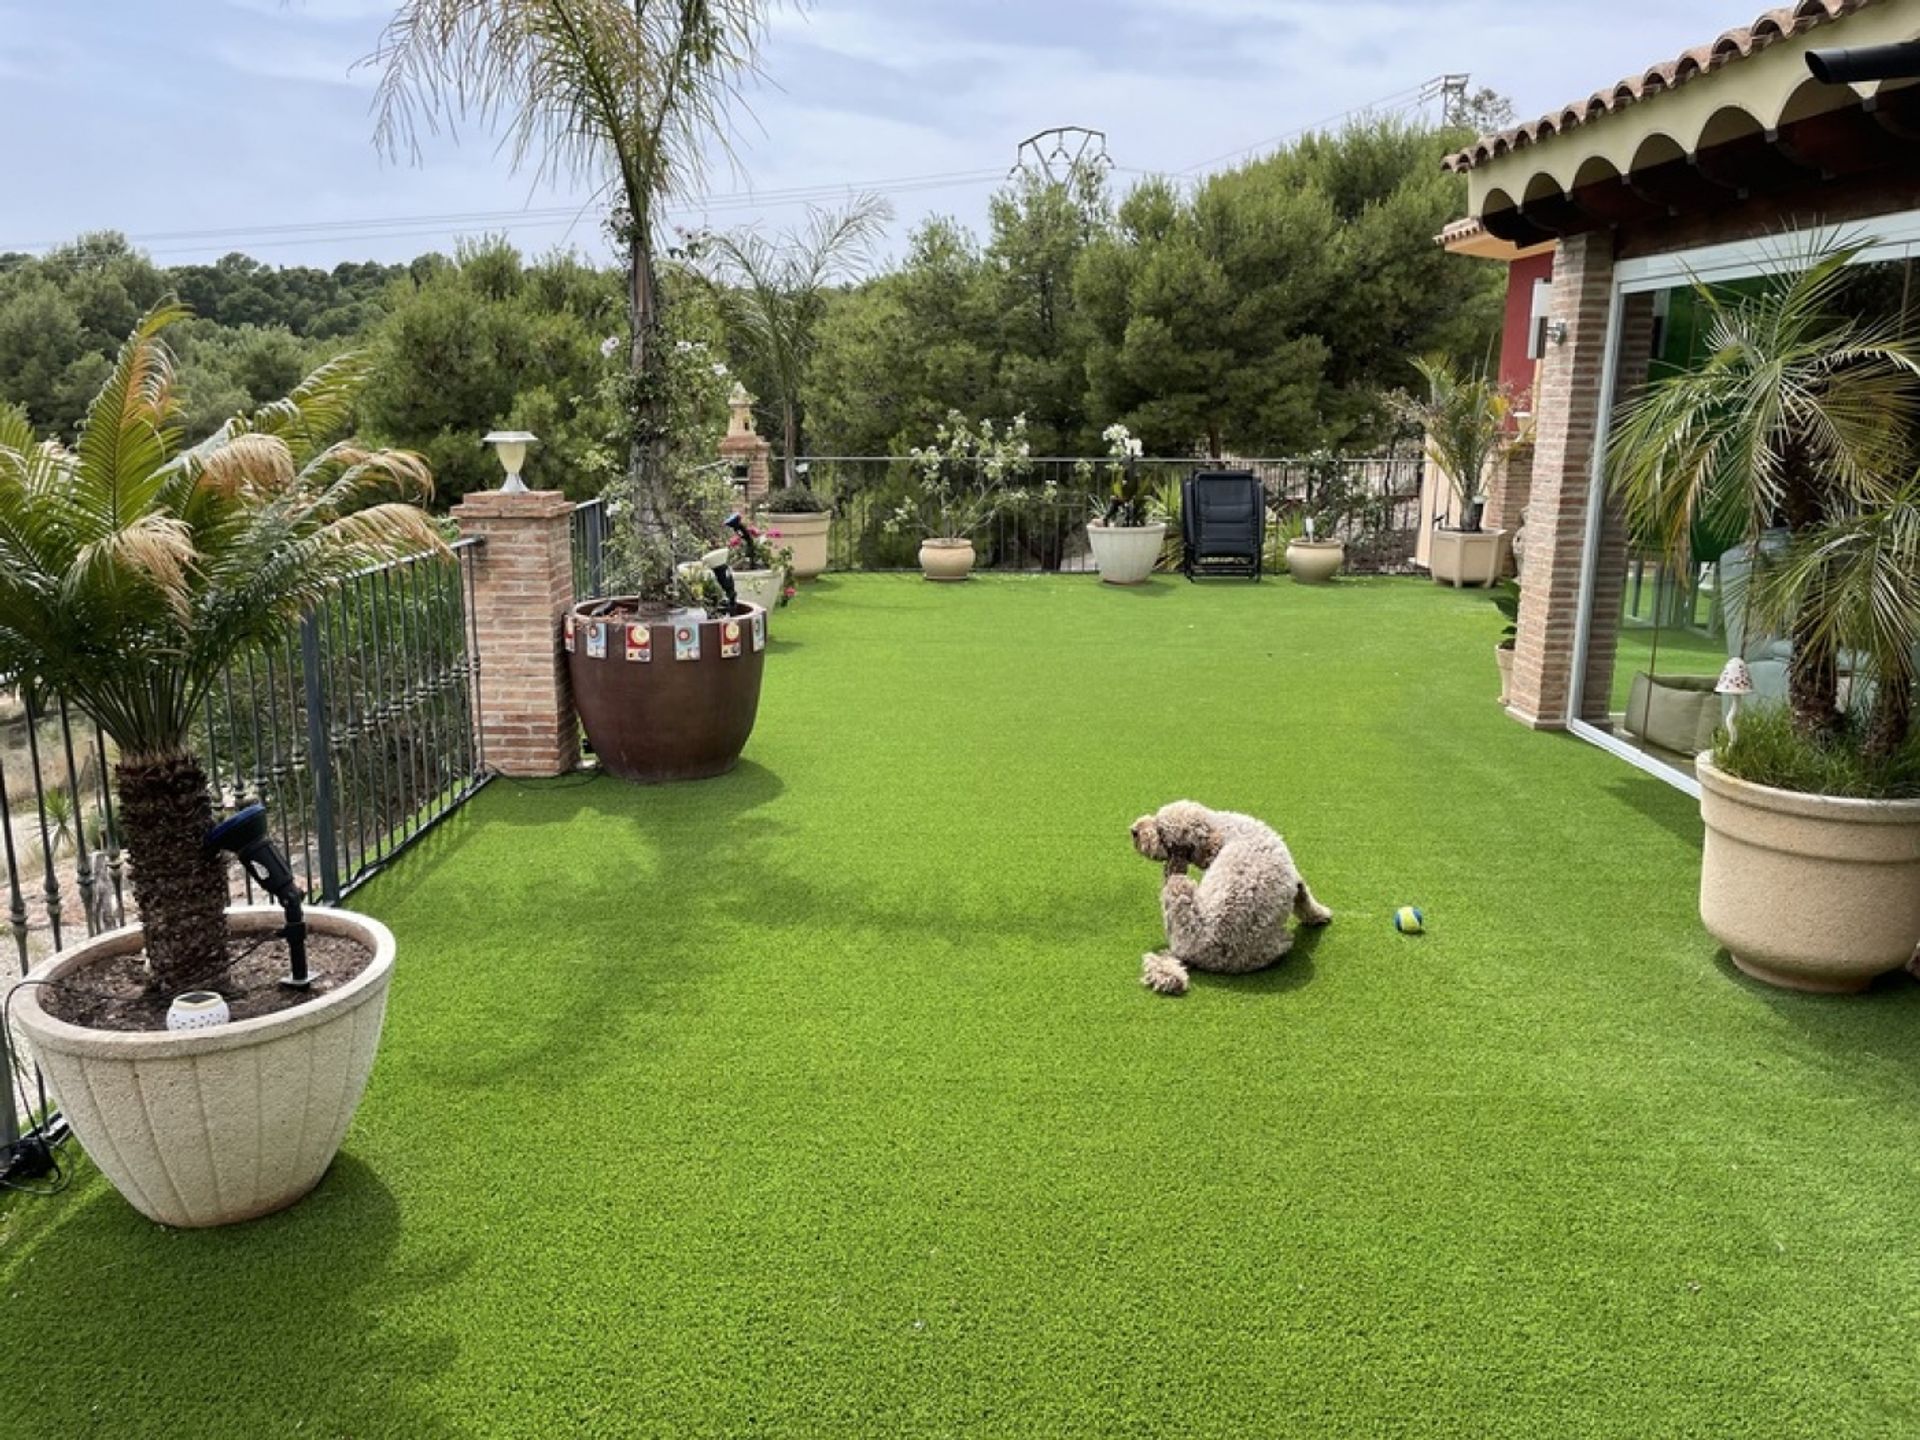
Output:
[[1314, 562], [805, 531], [1503, 657], [1808, 892], [661, 701], [1467, 557], [218, 1125], [1126, 554], [760, 587], [946, 559]]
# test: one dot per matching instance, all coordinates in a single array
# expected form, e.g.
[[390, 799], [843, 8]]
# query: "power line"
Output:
[[1399, 99], [728, 200]]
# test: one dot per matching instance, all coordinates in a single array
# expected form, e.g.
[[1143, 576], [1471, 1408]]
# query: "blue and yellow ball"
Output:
[[1408, 920]]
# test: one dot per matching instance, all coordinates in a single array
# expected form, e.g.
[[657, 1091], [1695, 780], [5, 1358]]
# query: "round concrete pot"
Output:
[[1126, 554], [805, 531], [1503, 657], [211, 1127], [760, 587], [653, 716], [1808, 892], [1314, 562], [946, 559]]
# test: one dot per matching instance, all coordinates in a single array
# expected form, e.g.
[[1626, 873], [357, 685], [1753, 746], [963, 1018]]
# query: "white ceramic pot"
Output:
[[210, 1127], [946, 559], [1808, 892], [759, 587], [1467, 557], [1314, 562], [1503, 657], [805, 531], [1126, 554]]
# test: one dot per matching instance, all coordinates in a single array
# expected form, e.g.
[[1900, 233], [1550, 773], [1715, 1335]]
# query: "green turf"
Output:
[[822, 1100]]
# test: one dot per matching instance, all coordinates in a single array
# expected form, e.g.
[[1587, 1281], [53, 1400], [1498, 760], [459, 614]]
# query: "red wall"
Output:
[[1516, 370]]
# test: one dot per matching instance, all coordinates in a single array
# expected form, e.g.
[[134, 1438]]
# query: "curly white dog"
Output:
[[1235, 919]]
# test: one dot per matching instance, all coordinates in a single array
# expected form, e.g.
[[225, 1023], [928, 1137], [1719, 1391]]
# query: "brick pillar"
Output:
[[741, 442], [1509, 485], [1566, 421], [1567, 427], [522, 586]]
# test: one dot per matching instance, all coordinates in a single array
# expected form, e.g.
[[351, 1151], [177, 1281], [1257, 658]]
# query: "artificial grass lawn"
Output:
[[823, 1099]]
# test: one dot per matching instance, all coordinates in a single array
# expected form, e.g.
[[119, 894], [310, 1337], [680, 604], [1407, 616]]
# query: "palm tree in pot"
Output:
[[1795, 433], [1465, 419], [625, 98], [133, 571]]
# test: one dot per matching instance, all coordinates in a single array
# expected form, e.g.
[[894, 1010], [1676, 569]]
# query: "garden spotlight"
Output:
[[244, 834]]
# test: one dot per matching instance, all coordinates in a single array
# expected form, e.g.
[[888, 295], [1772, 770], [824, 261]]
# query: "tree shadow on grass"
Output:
[[252, 1329], [1672, 810], [1872, 1037]]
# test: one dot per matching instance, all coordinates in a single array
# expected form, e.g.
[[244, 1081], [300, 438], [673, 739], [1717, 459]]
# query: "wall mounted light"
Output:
[[1557, 331], [511, 447]]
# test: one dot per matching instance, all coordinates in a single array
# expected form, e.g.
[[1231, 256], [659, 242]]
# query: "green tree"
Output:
[[773, 292], [622, 95], [132, 572]]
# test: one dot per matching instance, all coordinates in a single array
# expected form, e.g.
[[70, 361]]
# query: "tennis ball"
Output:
[[1408, 920]]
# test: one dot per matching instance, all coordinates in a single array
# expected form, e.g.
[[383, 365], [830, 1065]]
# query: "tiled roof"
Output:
[[1775, 25]]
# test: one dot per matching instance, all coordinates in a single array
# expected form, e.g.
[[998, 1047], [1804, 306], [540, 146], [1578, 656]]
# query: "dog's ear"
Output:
[[1147, 838]]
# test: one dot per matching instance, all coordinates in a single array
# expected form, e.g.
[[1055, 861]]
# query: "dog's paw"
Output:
[[1163, 974]]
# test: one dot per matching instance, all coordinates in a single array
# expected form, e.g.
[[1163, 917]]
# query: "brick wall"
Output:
[[522, 586], [1567, 430], [755, 451], [1509, 487]]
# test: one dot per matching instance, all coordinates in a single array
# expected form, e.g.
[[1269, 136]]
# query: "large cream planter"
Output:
[[1314, 562], [209, 1127], [1126, 554], [1808, 892], [805, 531], [946, 559], [1467, 557]]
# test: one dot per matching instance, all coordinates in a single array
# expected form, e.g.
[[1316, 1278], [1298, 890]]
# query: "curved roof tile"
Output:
[[1779, 23]]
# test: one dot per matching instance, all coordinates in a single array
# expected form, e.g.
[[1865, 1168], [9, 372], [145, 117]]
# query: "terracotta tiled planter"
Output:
[[209, 1127]]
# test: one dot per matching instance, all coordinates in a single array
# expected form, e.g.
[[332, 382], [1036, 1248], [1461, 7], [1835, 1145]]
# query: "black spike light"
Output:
[[244, 835]]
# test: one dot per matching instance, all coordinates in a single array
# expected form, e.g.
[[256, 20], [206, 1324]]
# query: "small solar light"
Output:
[[197, 1010], [1735, 681], [511, 447]]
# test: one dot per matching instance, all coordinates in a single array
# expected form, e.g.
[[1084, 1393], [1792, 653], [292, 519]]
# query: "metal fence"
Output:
[[1372, 502], [360, 735]]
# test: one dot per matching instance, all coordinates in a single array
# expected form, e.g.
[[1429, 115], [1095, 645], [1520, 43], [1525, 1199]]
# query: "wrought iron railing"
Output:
[[1372, 502], [589, 548], [360, 734]]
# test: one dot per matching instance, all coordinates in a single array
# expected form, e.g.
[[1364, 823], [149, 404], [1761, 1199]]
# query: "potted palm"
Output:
[[1800, 418], [1465, 420], [133, 572], [960, 485], [630, 97], [1124, 533]]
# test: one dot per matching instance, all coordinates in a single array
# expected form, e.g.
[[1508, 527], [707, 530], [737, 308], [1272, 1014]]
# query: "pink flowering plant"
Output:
[[760, 550]]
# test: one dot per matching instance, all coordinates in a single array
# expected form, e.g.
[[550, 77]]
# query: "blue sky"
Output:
[[170, 118]]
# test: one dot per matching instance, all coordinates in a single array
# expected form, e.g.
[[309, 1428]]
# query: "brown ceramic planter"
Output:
[[1808, 892], [652, 716]]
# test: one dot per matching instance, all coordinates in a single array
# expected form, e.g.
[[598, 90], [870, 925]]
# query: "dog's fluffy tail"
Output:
[[1163, 974]]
